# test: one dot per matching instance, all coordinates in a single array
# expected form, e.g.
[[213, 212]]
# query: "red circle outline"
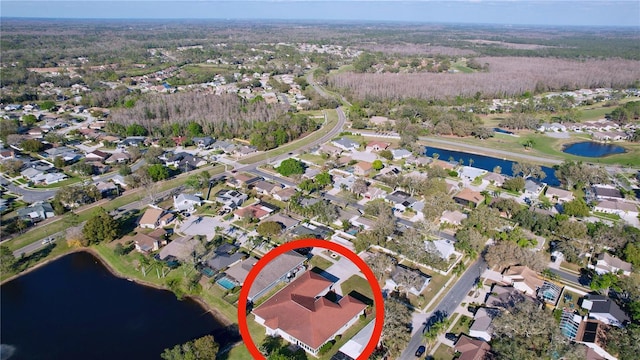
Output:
[[303, 243]]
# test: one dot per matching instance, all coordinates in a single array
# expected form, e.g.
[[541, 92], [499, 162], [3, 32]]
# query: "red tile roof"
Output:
[[296, 310]]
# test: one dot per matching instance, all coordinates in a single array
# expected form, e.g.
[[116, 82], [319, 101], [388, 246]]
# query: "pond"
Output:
[[487, 162], [592, 149], [74, 308]]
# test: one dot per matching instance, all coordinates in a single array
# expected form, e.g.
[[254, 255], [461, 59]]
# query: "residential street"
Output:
[[447, 305]]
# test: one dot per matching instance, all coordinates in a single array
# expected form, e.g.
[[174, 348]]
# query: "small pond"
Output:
[[592, 149]]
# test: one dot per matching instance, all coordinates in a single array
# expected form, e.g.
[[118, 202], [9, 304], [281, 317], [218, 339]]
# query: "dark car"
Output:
[[451, 336], [421, 350]]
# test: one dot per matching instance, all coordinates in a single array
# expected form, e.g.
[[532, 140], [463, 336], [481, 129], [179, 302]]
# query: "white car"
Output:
[[48, 241]]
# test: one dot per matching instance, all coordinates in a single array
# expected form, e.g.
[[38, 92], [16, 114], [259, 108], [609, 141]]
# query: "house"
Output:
[[443, 164], [346, 144], [51, 178], [471, 173], [412, 281], [376, 146], [503, 297], [495, 179], [606, 263], [266, 188], [224, 146], [533, 188], [230, 199], [243, 179], [146, 243], [362, 168], [418, 161], [310, 230], [381, 120], [593, 334], [400, 200], [307, 314], [481, 327], [452, 217], [559, 195], [617, 207], [362, 222], [224, 256], [555, 127], [604, 309], [375, 193], [256, 211], [36, 212], [284, 194], [282, 268], [286, 221], [203, 142], [132, 141], [106, 188], [443, 248], [118, 158], [469, 198], [186, 202], [151, 218], [97, 155], [400, 154], [471, 349], [7, 154], [523, 279], [329, 150], [35, 132], [344, 182], [31, 173], [238, 272], [606, 192], [182, 248], [308, 201]]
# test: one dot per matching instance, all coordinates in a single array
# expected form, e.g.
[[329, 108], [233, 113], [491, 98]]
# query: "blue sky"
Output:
[[516, 12]]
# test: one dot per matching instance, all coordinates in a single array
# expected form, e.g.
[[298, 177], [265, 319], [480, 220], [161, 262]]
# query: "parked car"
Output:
[[421, 350], [451, 336]]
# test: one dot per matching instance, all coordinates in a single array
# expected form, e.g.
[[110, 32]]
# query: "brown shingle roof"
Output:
[[296, 310], [472, 349], [470, 196]]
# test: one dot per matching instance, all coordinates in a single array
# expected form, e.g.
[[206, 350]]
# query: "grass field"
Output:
[[443, 352]]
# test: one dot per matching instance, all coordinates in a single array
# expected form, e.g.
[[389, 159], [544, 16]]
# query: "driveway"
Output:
[[343, 269], [204, 226]]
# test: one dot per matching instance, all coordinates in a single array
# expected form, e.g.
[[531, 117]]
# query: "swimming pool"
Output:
[[226, 283]]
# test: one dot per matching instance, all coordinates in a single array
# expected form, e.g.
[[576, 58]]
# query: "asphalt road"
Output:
[[567, 276], [32, 195], [447, 305]]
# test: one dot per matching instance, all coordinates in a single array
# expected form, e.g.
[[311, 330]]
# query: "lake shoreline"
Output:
[[217, 315]]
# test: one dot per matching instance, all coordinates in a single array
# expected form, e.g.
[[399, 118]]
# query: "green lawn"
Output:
[[316, 159], [320, 262], [606, 216], [462, 325], [443, 352], [359, 284], [332, 117]]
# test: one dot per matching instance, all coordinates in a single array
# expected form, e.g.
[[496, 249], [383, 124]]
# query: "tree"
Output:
[[136, 130], [380, 264], [377, 164], [7, 260], [323, 179], [507, 205], [124, 170], [11, 166], [387, 154], [528, 170], [470, 241], [269, 229], [158, 172], [507, 253], [59, 162], [576, 207], [100, 227], [290, 167], [517, 336], [29, 119], [395, 332], [360, 186], [514, 184], [32, 145], [203, 348], [134, 152], [625, 343]]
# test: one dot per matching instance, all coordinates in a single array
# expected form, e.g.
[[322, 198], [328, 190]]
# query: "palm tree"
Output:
[[497, 169], [435, 156]]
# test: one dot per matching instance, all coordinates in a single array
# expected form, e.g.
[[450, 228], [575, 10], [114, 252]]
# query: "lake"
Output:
[[487, 163], [74, 308], [592, 149]]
